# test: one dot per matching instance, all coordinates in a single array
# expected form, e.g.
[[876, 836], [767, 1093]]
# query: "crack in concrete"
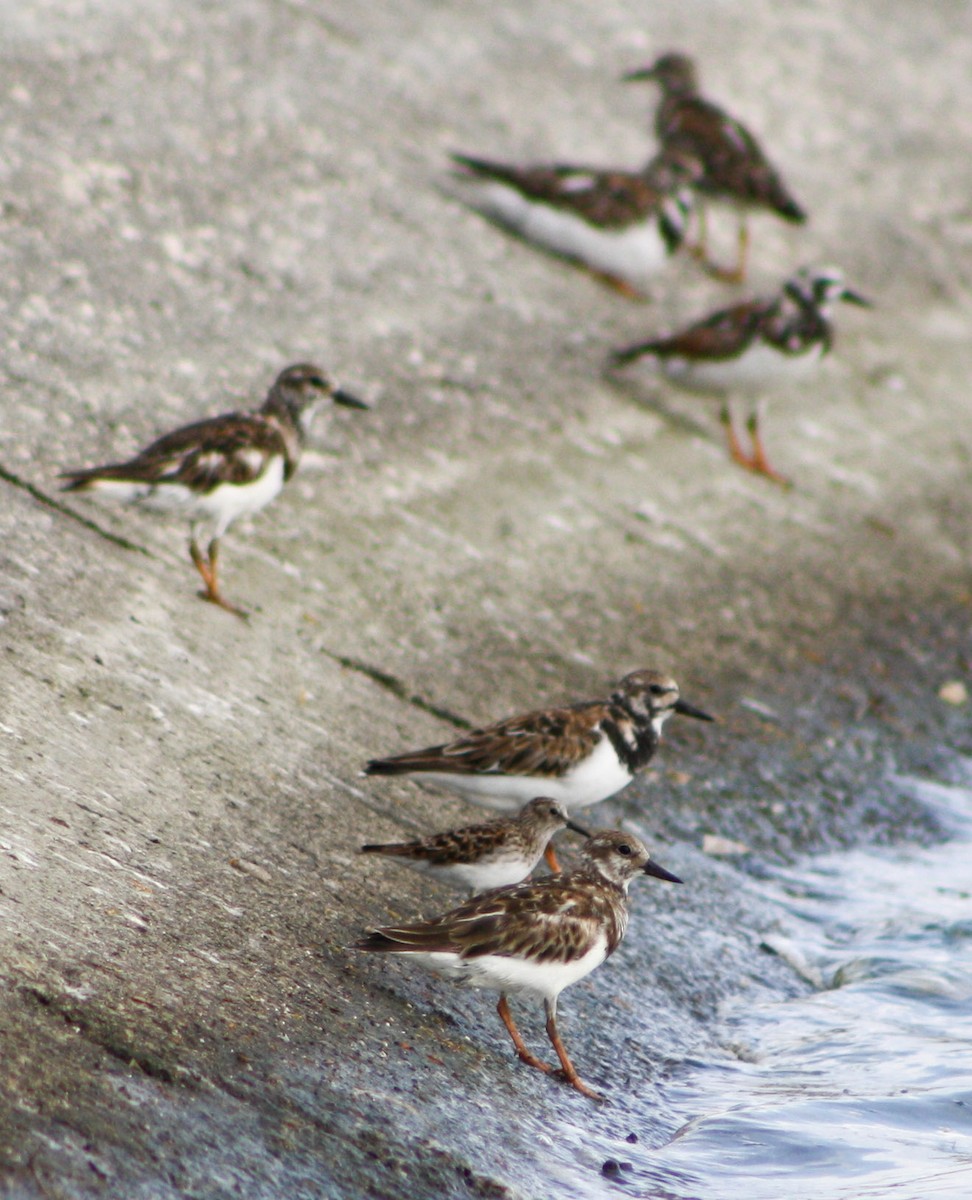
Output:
[[43, 498], [113, 1042], [397, 687]]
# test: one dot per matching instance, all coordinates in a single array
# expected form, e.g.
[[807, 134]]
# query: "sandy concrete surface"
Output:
[[193, 195]]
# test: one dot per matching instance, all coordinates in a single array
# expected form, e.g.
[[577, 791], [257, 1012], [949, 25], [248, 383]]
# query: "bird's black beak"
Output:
[[853, 297], [349, 401], [689, 710], [578, 828], [652, 868], [638, 76]]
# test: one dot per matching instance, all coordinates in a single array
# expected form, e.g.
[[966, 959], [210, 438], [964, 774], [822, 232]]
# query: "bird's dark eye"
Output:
[[624, 849], [656, 689]]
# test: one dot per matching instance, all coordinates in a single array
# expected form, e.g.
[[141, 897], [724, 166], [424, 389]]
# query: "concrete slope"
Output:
[[193, 195]]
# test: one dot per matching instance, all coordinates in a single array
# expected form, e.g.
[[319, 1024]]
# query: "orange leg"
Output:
[[757, 462], [736, 452], [742, 262], [699, 248], [201, 563], [525, 1056], [737, 273], [553, 862], [568, 1071], [621, 286], [206, 566], [760, 463]]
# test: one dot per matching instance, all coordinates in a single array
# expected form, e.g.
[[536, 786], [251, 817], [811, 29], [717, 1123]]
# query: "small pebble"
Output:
[[251, 868], [612, 1168], [954, 692], [718, 846]]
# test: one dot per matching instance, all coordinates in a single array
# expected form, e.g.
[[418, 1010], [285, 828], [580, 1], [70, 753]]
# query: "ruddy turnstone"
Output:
[[535, 939], [490, 854], [751, 344], [577, 754], [734, 166], [216, 470], [622, 225]]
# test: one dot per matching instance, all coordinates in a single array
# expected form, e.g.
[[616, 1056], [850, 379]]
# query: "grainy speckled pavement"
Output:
[[193, 195]]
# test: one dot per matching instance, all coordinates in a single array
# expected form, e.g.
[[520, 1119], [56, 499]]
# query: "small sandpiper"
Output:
[[490, 854], [624, 226], [749, 345], [535, 939], [214, 471], [734, 167]]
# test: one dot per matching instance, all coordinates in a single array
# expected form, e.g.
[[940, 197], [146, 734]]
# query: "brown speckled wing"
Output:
[[230, 449], [554, 920], [723, 335], [546, 744], [547, 925], [234, 448], [734, 161], [612, 199], [452, 846]]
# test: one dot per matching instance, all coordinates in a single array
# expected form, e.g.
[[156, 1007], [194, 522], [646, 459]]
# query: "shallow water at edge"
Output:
[[864, 1087]]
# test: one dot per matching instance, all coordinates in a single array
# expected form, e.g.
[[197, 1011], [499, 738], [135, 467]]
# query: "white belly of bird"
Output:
[[502, 873], [635, 254], [514, 976], [217, 509], [479, 877], [598, 776], [758, 365]]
